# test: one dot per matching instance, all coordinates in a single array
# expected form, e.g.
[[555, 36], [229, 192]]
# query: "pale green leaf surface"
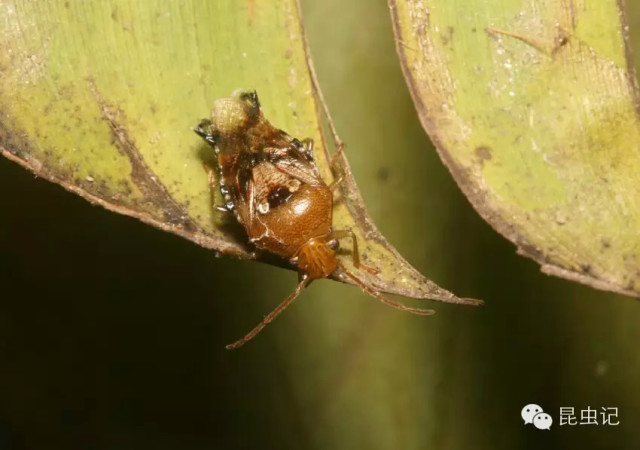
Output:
[[533, 107], [101, 97]]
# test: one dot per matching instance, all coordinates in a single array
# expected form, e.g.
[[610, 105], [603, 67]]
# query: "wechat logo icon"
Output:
[[533, 414]]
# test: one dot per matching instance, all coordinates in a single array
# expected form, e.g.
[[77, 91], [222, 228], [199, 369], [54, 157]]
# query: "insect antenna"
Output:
[[374, 293], [272, 315]]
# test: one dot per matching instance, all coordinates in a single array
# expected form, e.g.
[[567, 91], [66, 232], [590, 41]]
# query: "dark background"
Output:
[[112, 333]]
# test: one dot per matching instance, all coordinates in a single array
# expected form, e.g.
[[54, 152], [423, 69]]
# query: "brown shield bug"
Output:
[[270, 181]]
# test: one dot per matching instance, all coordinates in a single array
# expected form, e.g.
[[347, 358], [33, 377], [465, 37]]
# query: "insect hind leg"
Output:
[[355, 254]]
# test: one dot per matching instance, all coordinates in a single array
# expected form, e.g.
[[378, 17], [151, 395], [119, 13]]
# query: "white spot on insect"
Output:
[[263, 208], [89, 179], [301, 207]]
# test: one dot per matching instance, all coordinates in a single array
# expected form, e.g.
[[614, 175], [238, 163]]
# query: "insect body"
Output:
[[270, 181]]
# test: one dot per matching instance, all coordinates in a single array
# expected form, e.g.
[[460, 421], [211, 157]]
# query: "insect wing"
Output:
[[294, 163]]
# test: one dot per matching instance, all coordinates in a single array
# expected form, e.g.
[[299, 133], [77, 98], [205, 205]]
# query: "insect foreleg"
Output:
[[204, 131]]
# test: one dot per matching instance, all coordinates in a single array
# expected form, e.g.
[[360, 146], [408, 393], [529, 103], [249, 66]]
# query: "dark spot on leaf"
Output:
[[561, 40], [383, 174], [586, 268], [447, 37], [483, 153], [605, 243], [531, 251]]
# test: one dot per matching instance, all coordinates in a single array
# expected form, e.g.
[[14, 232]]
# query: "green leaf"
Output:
[[101, 97], [534, 109]]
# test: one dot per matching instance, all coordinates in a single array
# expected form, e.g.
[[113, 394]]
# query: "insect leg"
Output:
[[333, 162], [335, 183], [272, 315], [341, 234], [320, 97], [213, 186], [204, 131], [307, 147], [374, 293], [251, 199]]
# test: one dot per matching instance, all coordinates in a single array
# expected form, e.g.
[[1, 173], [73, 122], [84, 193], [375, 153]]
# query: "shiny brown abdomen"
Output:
[[307, 214]]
